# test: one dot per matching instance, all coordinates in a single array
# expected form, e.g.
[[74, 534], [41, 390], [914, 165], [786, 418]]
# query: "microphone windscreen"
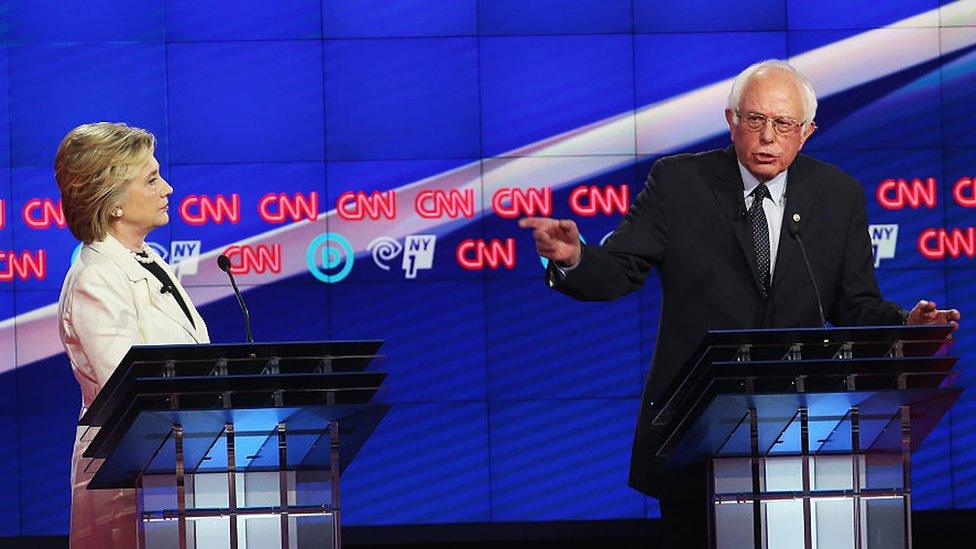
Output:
[[223, 262], [793, 228]]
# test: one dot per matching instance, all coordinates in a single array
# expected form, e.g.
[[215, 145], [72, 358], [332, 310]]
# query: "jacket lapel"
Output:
[[727, 187], [167, 303], [173, 309], [800, 197], [114, 249]]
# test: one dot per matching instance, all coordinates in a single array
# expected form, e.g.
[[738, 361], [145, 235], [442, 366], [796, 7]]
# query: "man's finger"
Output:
[[946, 315], [542, 238], [535, 222]]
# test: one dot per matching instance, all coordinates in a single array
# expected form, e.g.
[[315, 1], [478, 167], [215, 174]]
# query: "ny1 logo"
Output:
[[884, 241], [417, 249]]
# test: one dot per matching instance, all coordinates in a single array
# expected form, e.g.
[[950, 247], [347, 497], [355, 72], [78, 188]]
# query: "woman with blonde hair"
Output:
[[118, 293]]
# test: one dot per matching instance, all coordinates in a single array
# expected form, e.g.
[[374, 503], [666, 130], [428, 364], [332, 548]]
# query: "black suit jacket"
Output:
[[689, 222]]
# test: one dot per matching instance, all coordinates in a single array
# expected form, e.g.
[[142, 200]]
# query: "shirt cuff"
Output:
[[564, 270]]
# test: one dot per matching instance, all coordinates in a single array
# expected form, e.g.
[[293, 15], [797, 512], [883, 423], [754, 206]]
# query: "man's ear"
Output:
[[807, 132], [730, 118]]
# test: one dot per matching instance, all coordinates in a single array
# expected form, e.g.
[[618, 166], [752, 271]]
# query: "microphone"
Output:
[[224, 263], [165, 289], [793, 226]]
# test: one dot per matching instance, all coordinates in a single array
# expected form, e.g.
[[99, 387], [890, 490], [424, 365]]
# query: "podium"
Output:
[[807, 434], [234, 446]]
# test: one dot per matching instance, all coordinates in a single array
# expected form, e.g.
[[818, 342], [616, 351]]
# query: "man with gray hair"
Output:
[[711, 223]]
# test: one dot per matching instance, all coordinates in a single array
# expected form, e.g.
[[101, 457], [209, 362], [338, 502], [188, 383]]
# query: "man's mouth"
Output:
[[764, 158]]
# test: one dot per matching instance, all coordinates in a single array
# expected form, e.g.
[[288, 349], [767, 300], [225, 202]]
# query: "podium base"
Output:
[[259, 519], [847, 500]]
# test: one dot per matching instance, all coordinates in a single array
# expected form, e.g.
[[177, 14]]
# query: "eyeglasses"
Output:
[[757, 122]]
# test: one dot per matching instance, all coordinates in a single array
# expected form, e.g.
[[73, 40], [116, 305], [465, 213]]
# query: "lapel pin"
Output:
[[796, 218]]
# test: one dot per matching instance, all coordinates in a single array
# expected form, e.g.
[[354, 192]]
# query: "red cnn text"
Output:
[[895, 194], [282, 207], [939, 243], [964, 192], [355, 206], [23, 266], [512, 202], [477, 254], [438, 204], [590, 200], [257, 259], [41, 213], [202, 209]]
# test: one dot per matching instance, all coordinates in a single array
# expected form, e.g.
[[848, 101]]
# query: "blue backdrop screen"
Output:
[[364, 164]]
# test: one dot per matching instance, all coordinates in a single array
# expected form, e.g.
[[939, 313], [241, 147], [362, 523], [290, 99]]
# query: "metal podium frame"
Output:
[[172, 411], [750, 400]]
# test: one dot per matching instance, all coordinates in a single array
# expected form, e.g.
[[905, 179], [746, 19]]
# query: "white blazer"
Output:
[[109, 302]]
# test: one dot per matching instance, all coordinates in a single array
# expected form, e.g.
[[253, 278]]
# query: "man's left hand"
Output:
[[925, 312]]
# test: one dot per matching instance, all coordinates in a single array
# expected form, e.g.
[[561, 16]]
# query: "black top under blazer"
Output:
[[689, 221]]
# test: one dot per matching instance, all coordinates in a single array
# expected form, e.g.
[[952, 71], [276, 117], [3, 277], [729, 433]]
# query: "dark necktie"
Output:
[[760, 235]]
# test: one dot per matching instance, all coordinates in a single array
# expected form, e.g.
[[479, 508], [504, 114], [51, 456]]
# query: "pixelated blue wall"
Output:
[[511, 402]]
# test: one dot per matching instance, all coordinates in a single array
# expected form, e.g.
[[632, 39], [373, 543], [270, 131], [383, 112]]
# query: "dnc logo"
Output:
[[330, 257]]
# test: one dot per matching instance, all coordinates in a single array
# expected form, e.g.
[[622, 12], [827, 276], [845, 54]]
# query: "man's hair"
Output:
[[763, 68], [94, 164]]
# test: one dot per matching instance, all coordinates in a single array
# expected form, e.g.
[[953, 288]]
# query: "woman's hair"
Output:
[[94, 164]]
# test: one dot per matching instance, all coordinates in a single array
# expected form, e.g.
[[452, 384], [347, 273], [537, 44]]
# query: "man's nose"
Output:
[[767, 134]]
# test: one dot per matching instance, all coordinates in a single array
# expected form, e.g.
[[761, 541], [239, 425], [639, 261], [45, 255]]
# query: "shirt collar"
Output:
[[776, 185], [111, 247]]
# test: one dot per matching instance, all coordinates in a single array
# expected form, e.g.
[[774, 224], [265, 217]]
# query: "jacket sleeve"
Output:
[[623, 262], [858, 299], [103, 317]]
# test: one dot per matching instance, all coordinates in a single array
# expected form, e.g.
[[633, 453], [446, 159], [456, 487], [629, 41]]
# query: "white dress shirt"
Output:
[[772, 208]]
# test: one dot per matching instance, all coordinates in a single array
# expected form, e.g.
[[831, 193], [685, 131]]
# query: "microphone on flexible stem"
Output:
[[224, 263], [793, 227]]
